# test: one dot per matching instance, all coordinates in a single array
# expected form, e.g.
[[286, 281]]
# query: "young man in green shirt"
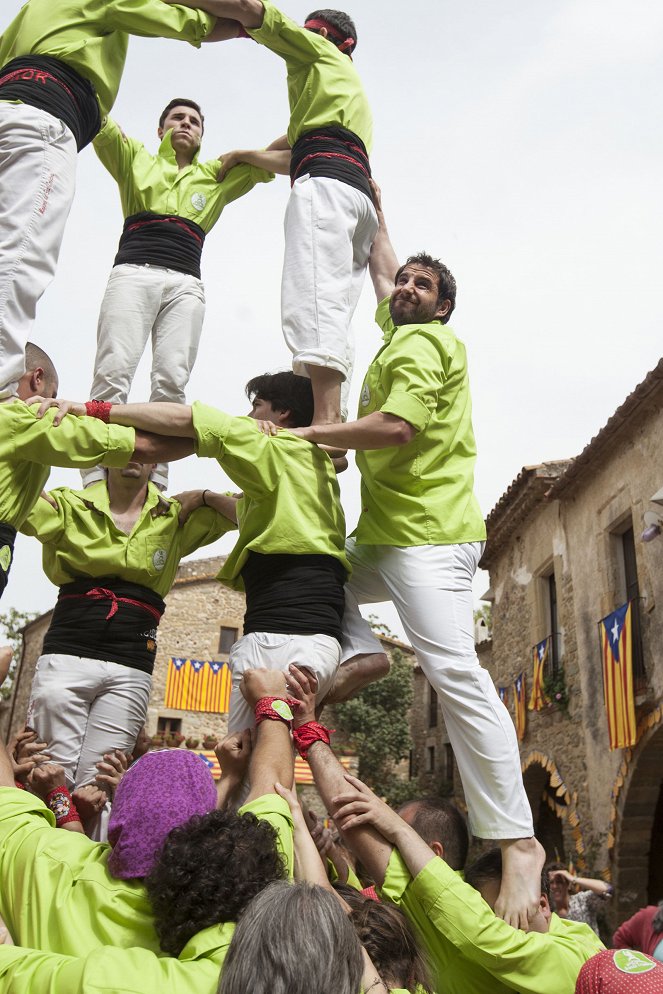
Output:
[[170, 202], [330, 220], [290, 555], [419, 540], [61, 68], [113, 551], [102, 938]]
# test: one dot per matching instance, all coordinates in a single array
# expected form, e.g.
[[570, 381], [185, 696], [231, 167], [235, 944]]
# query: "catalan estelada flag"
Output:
[[538, 699], [198, 685], [520, 695], [503, 693], [616, 648], [208, 757]]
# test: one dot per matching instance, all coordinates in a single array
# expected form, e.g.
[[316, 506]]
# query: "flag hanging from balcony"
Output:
[[504, 695], [520, 695], [198, 685], [538, 699], [616, 647]]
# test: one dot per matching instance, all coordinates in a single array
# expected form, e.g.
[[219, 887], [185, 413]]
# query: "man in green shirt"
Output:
[[113, 551], [419, 540], [29, 446], [61, 61], [330, 220], [170, 202], [103, 937], [290, 555]]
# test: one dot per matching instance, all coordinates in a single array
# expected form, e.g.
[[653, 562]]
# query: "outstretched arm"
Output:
[[382, 263], [271, 760], [273, 160], [159, 419], [371, 847], [376, 431], [249, 13]]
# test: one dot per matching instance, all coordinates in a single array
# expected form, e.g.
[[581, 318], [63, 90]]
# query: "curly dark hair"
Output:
[[446, 283], [207, 871]]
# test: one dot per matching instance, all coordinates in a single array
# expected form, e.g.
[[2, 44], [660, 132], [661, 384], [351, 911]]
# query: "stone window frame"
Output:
[[550, 568], [227, 626]]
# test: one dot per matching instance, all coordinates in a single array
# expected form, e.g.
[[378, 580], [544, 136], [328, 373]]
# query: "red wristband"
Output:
[[98, 409], [275, 709], [307, 734], [60, 803]]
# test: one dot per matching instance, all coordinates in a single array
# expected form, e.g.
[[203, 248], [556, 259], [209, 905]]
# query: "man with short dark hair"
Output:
[[170, 202], [289, 558], [29, 446], [330, 220], [441, 825], [61, 64], [419, 540]]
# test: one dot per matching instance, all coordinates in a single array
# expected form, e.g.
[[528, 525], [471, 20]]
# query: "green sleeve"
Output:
[[30, 971], [45, 522], [246, 454], [284, 37], [241, 179], [527, 962], [115, 150], [26, 826], [275, 810], [154, 19], [416, 375], [74, 442], [202, 527]]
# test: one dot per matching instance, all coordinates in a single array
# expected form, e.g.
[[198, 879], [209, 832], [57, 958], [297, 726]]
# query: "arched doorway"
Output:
[[542, 797], [638, 845]]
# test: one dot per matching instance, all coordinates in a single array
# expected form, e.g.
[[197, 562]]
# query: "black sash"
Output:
[[54, 87], [161, 240], [108, 619], [334, 152]]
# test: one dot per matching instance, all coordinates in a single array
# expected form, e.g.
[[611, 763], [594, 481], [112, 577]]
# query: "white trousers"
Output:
[[431, 588], [37, 182], [85, 707], [329, 230], [142, 302], [319, 653]]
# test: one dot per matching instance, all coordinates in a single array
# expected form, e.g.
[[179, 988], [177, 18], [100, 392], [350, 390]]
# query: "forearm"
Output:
[[596, 886], [160, 448], [226, 791], [375, 431], [223, 504], [249, 13], [382, 263], [279, 144], [370, 847], [271, 760], [224, 29], [415, 852], [161, 419], [272, 159]]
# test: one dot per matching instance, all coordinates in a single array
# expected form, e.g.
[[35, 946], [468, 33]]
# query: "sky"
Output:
[[520, 142]]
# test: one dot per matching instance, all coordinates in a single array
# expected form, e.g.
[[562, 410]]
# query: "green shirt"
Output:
[[29, 446], [92, 36], [58, 895], [291, 501], [420, 493], [324, 87], [470, 949], [81, 539], [155, 183]]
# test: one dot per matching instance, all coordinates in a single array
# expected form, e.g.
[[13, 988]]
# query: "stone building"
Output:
[[564, 551]]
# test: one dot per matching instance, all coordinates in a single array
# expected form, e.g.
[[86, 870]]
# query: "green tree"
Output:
[[376, 724], [11, 624]]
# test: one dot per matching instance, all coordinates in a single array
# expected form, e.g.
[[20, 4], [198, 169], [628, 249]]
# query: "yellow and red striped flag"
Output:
[[616, 647], [520, 695], [538, 700], [198, 685]]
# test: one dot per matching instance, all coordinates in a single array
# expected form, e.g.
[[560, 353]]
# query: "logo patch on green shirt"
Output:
[[198, 200], [159, 559], [5, 557], [630, 961], [365, 398]]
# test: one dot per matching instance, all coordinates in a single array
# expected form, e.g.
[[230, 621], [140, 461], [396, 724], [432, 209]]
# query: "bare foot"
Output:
[[520, 892], [356, 674], [6, 656]]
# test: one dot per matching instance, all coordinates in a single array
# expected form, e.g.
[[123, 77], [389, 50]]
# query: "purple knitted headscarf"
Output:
[[159, 792]]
